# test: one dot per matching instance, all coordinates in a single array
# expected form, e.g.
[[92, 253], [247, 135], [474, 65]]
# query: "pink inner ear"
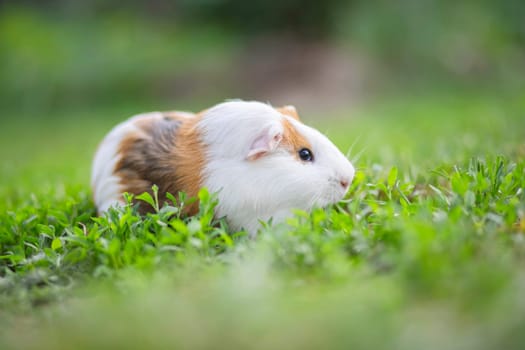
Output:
[[265, 143]]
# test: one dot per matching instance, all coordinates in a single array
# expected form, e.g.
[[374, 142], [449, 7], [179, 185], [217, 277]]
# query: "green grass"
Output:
[[427, 251]]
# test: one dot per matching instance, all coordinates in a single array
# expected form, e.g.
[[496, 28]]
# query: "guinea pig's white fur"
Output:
[[247, 152]]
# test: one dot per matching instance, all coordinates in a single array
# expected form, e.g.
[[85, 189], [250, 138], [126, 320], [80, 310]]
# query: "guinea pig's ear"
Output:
[[289, 111], [265, 142]]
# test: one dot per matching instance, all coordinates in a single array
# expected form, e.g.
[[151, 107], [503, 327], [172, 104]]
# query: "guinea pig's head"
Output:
[[264, 162]]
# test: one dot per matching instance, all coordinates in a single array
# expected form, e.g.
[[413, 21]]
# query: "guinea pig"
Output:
[[261, 161]]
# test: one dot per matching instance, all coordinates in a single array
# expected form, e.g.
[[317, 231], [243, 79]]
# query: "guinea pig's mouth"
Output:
[[334, 194], [339, 187]]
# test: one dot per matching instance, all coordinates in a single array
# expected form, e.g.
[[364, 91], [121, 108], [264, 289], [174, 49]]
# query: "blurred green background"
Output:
[[376, 75], [161, 54]]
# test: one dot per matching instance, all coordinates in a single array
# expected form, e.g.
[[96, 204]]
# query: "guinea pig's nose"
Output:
[[344, 182]]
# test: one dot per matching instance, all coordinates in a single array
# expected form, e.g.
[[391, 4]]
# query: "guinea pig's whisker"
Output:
[[351, 148], [356, 156], [315, 200]]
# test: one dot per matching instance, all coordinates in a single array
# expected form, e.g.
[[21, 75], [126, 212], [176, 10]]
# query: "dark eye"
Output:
[[306, 155]]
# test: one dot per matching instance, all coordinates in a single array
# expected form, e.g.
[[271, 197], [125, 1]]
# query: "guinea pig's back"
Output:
[[126, 158]]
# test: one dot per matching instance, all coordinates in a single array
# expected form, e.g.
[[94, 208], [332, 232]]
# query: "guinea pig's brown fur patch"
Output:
[[164, 151], [292, 139], [190, 159], [289, 111]]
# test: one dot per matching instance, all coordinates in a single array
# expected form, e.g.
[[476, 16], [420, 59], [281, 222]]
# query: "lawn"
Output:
[[427, 250]]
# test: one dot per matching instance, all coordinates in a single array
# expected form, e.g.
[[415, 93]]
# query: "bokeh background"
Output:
[[319, 55], [391, 81]]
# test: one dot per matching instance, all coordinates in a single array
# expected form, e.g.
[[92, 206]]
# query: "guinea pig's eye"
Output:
[[306, 155]]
